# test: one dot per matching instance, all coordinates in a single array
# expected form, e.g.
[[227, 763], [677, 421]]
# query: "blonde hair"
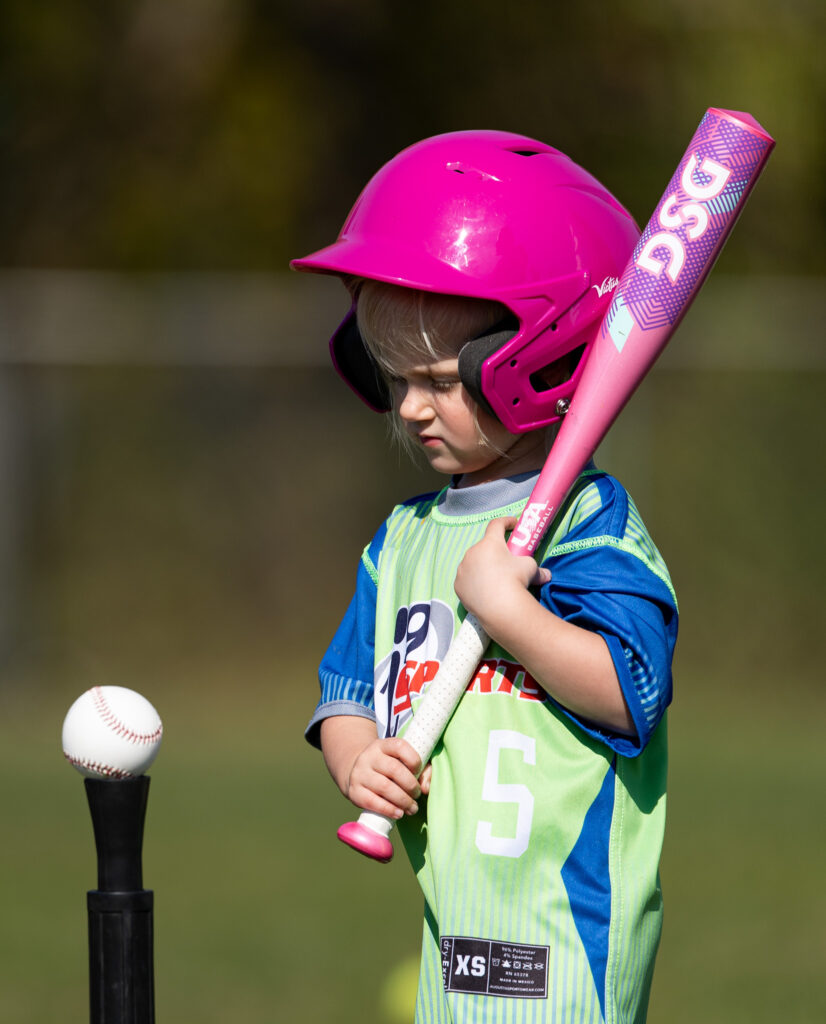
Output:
[[399, 324]]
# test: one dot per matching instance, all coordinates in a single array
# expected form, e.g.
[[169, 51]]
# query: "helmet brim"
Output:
[[378, 260]]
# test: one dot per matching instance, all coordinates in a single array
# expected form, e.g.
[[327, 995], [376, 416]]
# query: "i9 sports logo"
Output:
[[421, 638]]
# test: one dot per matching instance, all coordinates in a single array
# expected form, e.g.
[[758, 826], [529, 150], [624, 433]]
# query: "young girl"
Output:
[[480, 265]]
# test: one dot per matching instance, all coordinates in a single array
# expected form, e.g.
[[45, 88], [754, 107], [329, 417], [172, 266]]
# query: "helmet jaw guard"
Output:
[[495, 216], [551, 326]]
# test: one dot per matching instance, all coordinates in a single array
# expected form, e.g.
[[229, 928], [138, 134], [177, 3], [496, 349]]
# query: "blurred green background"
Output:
[[186, 487]]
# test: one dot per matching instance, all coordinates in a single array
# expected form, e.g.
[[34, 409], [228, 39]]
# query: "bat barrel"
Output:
[[672, 259]]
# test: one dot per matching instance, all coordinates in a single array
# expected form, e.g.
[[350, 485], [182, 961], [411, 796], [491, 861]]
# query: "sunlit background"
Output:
[[186, 486]]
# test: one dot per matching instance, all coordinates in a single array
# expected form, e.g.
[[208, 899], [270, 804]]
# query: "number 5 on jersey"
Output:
[[495, 791]]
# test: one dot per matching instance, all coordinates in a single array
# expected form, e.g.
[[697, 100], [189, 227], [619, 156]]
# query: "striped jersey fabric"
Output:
[[538, 847]]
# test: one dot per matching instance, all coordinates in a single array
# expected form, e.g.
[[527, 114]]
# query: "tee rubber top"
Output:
[[365, 840]]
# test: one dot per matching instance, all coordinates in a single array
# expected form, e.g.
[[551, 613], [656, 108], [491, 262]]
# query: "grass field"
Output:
[[262, 916], [167, 555]]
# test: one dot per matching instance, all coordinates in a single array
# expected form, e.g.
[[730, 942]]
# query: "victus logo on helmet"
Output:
[[608, 285], [674, 213]]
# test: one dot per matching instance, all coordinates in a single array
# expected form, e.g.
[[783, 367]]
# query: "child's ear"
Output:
[[474, 353]]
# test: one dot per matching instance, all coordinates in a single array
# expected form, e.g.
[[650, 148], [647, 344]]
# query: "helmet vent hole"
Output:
[[558, 372], [526, 152], [514, 362]]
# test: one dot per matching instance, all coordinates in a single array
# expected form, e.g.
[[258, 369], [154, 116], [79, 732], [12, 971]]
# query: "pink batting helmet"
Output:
[[488, 215]]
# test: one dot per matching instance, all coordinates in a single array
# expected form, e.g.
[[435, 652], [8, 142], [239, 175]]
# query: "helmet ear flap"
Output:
[[357, 367], [473, 354]]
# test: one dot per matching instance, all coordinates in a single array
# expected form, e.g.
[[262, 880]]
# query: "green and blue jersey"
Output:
[[538, 847]]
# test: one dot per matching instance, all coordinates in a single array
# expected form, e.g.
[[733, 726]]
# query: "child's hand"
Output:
[[384, 780], [490, 578]]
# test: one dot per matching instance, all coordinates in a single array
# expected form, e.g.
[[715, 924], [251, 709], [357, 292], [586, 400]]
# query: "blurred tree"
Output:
[[221, 134]]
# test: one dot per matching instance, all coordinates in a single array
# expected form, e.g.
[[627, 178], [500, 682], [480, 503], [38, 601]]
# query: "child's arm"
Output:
[[377, 775], [573, 664]]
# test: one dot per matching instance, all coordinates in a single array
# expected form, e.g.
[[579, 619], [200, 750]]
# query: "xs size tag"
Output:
[[494, 968]]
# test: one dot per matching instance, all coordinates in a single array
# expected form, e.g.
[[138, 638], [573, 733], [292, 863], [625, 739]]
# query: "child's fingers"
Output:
[[425, 777], [369, 800], [532, 574], [542, 577], [383, 796], [383, 778], [391, 767], [499, 527], [402, 750]]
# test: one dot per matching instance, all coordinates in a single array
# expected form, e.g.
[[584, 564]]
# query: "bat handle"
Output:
[[370, 834]]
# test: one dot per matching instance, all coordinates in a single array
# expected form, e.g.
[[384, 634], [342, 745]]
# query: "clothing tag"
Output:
[[494, 968]]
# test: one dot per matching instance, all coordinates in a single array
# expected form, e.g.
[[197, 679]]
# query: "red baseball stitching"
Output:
[[101, 769], [111, 720]]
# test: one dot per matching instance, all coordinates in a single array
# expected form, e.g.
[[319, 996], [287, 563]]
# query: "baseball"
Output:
[[111, 733]]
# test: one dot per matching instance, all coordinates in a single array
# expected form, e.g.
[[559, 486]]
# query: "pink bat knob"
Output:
[[366, 840]]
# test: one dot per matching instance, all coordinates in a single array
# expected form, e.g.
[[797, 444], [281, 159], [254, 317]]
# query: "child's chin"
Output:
[[452, 467], [443, 463]]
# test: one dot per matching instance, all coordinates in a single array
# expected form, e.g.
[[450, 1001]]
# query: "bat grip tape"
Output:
[[445, 691]]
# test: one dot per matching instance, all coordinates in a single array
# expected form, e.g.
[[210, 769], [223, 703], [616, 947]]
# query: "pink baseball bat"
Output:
[[671, 261]]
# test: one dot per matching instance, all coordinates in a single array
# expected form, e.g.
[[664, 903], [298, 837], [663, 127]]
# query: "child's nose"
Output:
[[415, 403]]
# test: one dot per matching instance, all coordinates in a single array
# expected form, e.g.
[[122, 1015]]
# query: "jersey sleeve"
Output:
[[607, 576], [346, 671]]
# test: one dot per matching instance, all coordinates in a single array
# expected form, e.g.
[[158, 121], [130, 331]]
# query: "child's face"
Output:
[[438, 414]]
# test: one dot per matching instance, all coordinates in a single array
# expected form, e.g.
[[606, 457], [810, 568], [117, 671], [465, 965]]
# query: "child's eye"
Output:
[[437, 384]]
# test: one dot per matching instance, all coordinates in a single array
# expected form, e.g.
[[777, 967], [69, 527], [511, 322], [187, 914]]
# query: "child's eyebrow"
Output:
[[444, 368]]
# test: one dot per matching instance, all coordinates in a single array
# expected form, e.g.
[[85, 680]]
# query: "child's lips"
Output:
[[429, 440]]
